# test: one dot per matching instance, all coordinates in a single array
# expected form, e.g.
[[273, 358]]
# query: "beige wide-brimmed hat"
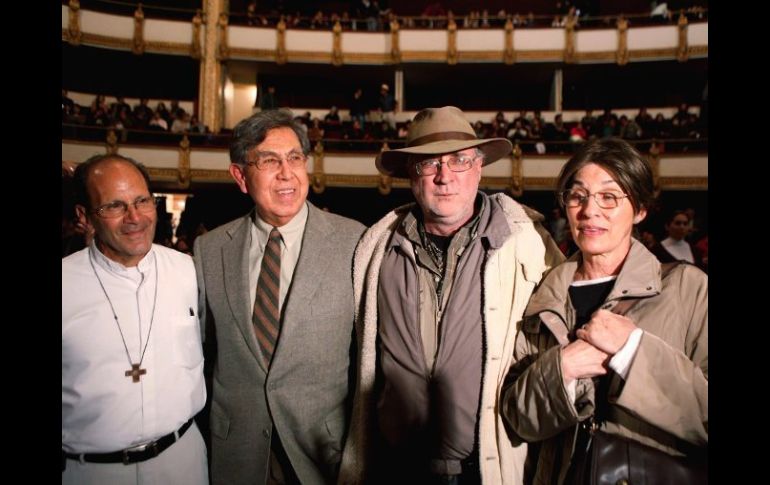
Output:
[[436, 131]]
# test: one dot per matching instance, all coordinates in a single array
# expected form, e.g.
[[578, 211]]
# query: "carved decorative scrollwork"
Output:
[[184, 163], [137, 45]]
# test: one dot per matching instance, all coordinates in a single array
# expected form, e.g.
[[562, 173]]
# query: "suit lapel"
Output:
[[235, 257], [308, 276]]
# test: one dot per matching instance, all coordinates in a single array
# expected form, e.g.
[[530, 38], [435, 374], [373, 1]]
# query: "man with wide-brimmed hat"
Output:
[[440, 286]]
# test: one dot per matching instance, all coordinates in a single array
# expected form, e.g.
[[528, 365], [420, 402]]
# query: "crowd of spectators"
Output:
[[375, 15], [121, 116], [359, 122]]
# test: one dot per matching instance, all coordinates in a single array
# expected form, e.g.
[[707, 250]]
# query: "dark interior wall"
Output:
[[323, 85], [112, 72], [481, 87], [662, 83]]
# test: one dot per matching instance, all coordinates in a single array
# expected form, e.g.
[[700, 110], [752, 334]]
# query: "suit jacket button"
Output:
[[266, 433]]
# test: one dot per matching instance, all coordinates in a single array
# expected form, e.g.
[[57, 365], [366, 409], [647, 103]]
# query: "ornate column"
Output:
[[509, 55], [681, 52], [223, 51], [195, 47], [137, 46], [451, 54], [73, 31], [385, 183], [111, 143], [395, 49], [183, 167], [280, 48], [569, 40], [210, 90], [318, 178], [621, 56], [337, 44]]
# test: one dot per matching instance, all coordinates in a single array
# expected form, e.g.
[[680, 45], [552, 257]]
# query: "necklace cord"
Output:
[[115, 315]]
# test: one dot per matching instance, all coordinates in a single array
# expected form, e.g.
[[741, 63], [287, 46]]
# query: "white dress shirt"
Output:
[[102, 409], [291, 245], [680, 250]]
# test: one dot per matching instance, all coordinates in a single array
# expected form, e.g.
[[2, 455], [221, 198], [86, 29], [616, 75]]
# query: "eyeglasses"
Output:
[[118, 208], [578, 198], [430, 166], [273, 162]]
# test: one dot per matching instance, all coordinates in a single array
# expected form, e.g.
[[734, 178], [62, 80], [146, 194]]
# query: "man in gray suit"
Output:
[[277, 283]]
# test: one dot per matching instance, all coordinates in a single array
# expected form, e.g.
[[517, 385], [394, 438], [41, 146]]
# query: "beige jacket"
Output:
[[664, 400], [510, 276]]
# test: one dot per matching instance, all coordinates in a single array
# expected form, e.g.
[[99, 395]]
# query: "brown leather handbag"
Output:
[[616, 460], [606, 459]]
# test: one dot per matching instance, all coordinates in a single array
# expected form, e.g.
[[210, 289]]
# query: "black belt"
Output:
[[135, 454]]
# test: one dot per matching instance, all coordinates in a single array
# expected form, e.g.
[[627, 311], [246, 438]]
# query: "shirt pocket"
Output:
[[188, 351]]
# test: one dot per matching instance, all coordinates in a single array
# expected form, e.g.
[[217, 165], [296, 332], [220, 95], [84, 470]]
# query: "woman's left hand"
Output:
[[606, 331]]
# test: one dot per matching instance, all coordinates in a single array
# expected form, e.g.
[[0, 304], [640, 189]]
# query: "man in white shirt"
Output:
[[132, 362]]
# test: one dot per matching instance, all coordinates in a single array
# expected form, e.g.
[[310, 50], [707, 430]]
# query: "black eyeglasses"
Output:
[[430, 166], [119, 208], [578, 198]]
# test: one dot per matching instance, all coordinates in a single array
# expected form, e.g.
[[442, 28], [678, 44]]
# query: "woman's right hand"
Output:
[[581, 360]]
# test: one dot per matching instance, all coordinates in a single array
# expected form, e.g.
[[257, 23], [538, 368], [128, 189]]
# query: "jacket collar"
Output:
[[639, 277]]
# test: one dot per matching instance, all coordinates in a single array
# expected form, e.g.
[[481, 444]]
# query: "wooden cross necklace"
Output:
[[136, 371]]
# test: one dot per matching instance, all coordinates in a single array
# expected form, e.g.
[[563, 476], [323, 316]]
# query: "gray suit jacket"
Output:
[[306, 395]]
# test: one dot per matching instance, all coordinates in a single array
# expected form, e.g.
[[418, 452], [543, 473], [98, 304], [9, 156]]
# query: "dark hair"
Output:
[[675, 213], [84, 170], [626, 165], [253, 130]]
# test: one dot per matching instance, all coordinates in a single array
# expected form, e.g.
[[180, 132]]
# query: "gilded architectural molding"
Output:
[[509, 55], [209, 91], [184, 163], [516, 187], [318, 178], [385, 184], [137, 44], [622, 54], [280, 48], [395, 50], [73, 31], [428, 56], [681, 24], [337, 44], [692, 183], [195, 46], [569, 39], [111, 143], [223, 53], [451, 54], [167, 174], [211, 175]]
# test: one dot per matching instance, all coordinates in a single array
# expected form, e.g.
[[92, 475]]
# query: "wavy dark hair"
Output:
[[626, 165], [252, 131]]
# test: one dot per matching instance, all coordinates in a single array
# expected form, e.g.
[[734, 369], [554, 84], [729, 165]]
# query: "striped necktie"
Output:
[[267, 316]]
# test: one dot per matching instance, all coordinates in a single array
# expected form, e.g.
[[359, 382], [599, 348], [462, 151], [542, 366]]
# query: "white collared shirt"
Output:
[[680, 250], [291, 245], [102, 409]]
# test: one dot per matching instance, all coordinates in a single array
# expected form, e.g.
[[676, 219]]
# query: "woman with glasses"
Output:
[[583, 364]]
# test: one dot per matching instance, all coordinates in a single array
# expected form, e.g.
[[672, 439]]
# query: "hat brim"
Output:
[[394, 162]]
